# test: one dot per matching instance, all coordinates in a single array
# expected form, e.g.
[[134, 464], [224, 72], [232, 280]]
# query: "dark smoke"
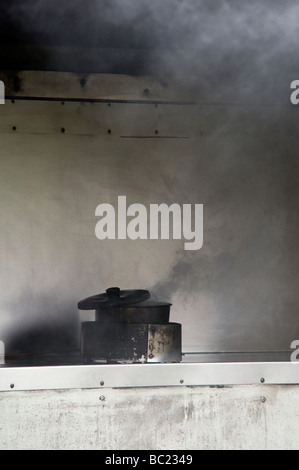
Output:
[[237, 44]]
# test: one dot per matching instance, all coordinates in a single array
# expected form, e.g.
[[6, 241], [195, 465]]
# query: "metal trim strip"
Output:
[[147, 375]]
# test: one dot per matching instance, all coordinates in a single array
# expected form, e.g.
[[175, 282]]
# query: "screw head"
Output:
[[181, 381], [102, 383], [102, 398], [263, 399], [262, 380]]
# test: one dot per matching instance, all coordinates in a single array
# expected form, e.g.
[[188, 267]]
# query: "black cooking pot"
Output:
[[127, 306]]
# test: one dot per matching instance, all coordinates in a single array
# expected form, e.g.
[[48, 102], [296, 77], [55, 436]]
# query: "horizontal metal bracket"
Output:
[[147, 375]]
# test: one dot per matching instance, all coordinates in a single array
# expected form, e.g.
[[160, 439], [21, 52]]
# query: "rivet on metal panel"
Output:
[[63, 130], [102, 383], [156, 132], [181, 381], [102, 398], [12, 385], [262, 380], [263, 399], [129, 402], [146, 92]]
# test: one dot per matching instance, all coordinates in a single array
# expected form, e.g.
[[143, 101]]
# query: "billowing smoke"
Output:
[[226, 40]]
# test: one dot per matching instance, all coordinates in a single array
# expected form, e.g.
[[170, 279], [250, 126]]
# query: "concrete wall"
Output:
[[239, 291], [170, 418]]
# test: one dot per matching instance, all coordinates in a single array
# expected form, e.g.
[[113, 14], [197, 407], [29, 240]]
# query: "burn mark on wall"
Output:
[[36, 338], [13, 83]]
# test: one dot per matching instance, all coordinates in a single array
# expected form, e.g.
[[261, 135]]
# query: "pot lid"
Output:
[[114, 297]]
